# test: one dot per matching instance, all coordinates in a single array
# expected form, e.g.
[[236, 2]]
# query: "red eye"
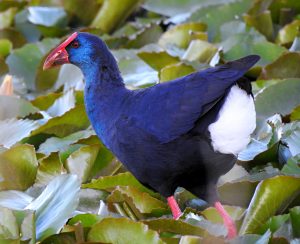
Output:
[[75, 44]]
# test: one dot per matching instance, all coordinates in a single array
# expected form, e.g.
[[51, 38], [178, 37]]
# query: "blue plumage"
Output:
[[159, 133]]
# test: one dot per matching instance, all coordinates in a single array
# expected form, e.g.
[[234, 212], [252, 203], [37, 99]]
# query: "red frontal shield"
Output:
[[59, 55]]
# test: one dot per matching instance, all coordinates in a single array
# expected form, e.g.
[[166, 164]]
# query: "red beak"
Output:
[[59, 55]]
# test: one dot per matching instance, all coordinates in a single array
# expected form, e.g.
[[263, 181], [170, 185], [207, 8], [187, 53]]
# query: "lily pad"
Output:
[[66, 124], [14, 163], [263, 205], [55, 205], [139, 202], [267, 106], [111, 230], [49, 168], [122, 179], [180, 35], [284, 67], [13, 130]]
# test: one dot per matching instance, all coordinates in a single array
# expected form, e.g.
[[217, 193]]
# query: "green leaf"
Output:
[[47, 16], [288, 33], [214, 16], [122, 179], [8, 224], [49, 168], [274, 223], [180, 35], [111, 230], [15, 200], [158, 60], [201, 51], [81, 162], [262, 22], [173, 7], [283, 67], [20, 164], [55, 205], [112, 14], [267, 106], [139, 202], [135, 71], [291, 167], [25, 61], [87, 220], [12, 107], [13, 130], [66, 124], [295, 220], [271, 195], [5, 47], [244, 44], [7, 17], [295, 115], [174, 226], [56, 144], [174, 71], [149, 34]]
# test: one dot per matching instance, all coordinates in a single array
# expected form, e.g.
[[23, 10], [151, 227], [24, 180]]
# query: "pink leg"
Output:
[[228, 222], [176, 212]]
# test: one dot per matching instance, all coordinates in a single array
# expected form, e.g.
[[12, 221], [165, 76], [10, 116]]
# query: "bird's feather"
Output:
[[171, 109]]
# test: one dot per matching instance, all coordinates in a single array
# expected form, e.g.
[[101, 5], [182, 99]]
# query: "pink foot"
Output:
[[176, 212], [228, 222]]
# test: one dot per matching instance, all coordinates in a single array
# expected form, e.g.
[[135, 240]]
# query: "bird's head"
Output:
[[80, 49]]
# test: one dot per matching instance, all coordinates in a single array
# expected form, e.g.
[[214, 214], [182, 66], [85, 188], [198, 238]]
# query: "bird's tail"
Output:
[[244, 63]]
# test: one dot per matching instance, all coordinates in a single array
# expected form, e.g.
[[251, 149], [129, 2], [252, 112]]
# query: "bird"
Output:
[[183, 133]]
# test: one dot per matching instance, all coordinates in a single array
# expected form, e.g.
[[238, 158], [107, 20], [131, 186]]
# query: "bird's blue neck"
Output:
[[104, 96]]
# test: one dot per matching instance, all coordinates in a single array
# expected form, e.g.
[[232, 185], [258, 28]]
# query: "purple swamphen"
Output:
[[186, 132]]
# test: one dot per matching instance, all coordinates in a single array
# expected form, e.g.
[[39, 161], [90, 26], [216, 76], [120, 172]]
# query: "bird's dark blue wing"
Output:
[[171, 109]]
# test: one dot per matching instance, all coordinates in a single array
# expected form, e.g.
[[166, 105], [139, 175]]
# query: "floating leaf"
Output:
[[174, 226], [284, 67], [55, 205], [139, 202], [243, 44], [180, 35], [8, 225], [81, 162], [47, 16], [288, 33], [201, 51], [20, 164], [13, 130], [262, 22], [267, 106], [158, 60], [49, 168], [7, 18], [12, 107], [56, 144], [25, 61], [295, 220], [174, 71], [271, 195], [214, 16], [111, 230], [15, 200], [66, 124], [122, 179], [5, 47]]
